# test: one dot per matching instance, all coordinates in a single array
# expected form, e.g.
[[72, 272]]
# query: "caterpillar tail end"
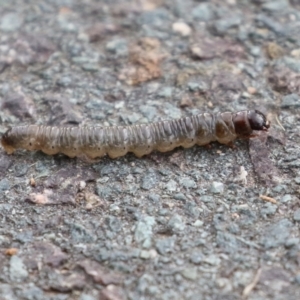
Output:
[[6, 143]]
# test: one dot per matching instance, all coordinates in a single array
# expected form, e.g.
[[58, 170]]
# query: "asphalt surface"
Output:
[[199, 223]]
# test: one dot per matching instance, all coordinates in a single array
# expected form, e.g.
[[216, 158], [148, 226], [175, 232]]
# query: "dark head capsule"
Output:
[[258, 120], [247, 121]]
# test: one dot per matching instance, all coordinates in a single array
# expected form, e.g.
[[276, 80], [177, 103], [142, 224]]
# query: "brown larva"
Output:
[[96, 141]]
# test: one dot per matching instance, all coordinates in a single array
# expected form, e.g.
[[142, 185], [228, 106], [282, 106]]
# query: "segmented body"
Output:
[[97, 141]]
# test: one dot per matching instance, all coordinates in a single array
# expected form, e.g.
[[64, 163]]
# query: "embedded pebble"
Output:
[[268, 209], [295, 53], [137, 170], [154, 197], [196, 257], [198, 223], [4, 241], [166, 92], [87, 297], [207, 199], [199, 86], [212, 259], [104, 192], [172, 111], [217, 187], [176, 223], [286, 198], [290, 101], [280, 188], [188, 183], [203, 12], [149, 181], [255, 51], [277, 5], [163, 212], [24, 237], [271, 24], [144, 282], [10, 22], [118, 47], [145, 254], [221, 26], [20, 169], [180, 197], [171, 185], [190, 273], [33, 292], [292, 63], [143, 231], [291, 242], [276, 234], [4, 185], [297, 215], [114, 223], [17, 269], [297, 279], [192, 209], [165, 245], [149, 112]]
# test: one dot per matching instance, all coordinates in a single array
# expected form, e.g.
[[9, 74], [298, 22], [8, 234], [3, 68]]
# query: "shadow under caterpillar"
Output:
[[96, 141]]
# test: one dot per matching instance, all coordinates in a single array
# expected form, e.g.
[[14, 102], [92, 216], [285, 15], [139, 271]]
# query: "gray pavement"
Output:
[[198, 223]]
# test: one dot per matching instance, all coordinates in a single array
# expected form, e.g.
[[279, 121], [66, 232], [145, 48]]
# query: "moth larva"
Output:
[[96, 141]]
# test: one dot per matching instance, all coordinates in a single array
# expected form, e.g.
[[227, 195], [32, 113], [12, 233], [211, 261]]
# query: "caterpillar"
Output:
[[97, 141]]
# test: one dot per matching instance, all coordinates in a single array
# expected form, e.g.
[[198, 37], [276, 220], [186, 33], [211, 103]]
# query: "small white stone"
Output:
[[231, 2], [243, 175], [82, 185], [198, 223], [295, 53], [182, 28], [217, 187]]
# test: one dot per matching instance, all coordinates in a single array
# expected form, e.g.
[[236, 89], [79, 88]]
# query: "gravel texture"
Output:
[[201, 223]]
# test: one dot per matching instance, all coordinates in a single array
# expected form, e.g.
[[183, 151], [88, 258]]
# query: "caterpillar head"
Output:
[[247, 121], [258, 120]]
